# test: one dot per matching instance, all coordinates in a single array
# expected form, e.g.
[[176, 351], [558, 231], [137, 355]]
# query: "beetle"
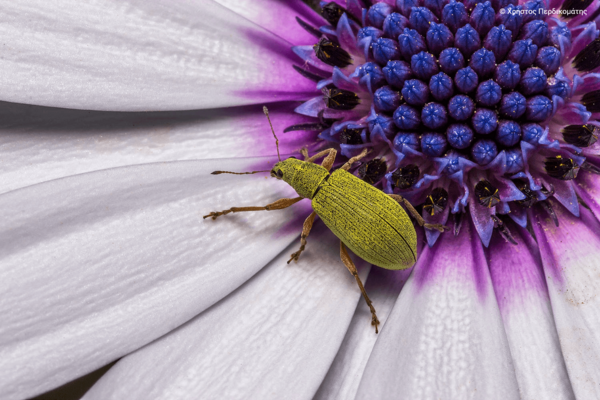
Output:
[[368, 221]]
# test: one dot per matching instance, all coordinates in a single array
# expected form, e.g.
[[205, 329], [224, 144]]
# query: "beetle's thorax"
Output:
[[304, 177]]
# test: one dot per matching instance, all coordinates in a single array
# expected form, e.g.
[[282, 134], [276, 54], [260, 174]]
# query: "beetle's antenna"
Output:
[[236, 173], [266, 111]]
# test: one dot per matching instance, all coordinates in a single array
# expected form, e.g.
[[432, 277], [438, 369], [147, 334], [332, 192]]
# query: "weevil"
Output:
[[368, 221]]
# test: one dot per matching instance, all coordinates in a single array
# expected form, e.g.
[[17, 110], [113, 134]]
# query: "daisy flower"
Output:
[[482, 114]]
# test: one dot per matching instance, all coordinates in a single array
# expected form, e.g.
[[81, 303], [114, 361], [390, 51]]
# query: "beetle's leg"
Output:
[[276, 205], [308, 223], [326, 152], [416, 215], [304, 152], [351, 161], [352, 268]]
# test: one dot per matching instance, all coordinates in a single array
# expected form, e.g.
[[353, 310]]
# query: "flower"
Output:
[[105, 255]]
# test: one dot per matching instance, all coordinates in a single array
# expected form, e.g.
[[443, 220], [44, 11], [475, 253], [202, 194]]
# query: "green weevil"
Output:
[[366, 220]]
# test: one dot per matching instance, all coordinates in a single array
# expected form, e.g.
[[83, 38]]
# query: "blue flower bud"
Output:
[[489, 93], [557, 87], [394, 24], [483, 17], [373, 73], [513, 105], [498, 41], [439, 37], [467, 40], [440, 86], [369, 31], [508, 133], [420, 18], [451, 60], [498, 4], [405, 6], [407, 117], [453, 164], [386, 123], [532, 133], [434, 115], [483, 62], [436, 6], [466, 80], [459, 136], [535, 10], [539, 108], [396, 72], [385, 49], [484, 121], [386, 99], [411, 43], [537, 31], [533, 81], [484, 151], [461, 107], [559, 31], [548, 59], [377, 13], [514, 161], [415, 92], [406, 139], [454, 15], [512, 19], [523, 52], [433, 144], [508, 75], [424, 65]]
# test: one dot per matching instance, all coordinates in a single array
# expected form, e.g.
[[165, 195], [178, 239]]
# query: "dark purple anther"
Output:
[[369, 31], [451, 60], [433, 144], [440, 86], [461, 107], [386, 99], [373, 73], [548, 59], [415, 92], [377, 13], [439, 37], [411, 43], [405, 6], [459, 136], [396, 72], [436, 6], [484, 151], [466, 80], [498, 40], [483, 62], [404, 140], [424, 65], [467, 40], [489, 93], [523, 52], [539, 108], [420, 18], [532, 133], [407, 117], [483, 17], [508, 133], [484, 121], [434, 116], [508, 75], [514, 161], [537, 31], [394, 25], [384, 122], [385, 49], [454, 15], [513, 105], [533, 81], [512, 19]]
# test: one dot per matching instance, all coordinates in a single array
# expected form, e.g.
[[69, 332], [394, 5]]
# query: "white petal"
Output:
[[97, 265], [141, 55], [570, 256], [444, 338], [519, 283], [274, 338], [41, 144]]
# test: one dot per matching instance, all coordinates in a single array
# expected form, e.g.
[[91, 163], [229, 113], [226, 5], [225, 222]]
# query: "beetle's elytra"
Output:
[[366, 220]]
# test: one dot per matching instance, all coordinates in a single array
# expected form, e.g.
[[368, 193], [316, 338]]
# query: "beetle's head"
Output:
[[286, 169]]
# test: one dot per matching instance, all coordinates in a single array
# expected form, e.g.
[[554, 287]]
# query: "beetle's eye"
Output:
[[279, 174]]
